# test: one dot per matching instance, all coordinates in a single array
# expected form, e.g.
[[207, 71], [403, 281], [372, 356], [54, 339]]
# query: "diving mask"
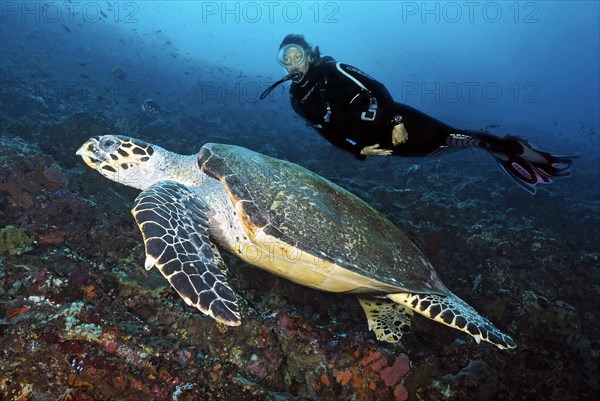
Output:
[[291, 56]]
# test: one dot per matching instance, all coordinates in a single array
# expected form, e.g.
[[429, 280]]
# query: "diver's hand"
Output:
[[399, 134], [374, 150]]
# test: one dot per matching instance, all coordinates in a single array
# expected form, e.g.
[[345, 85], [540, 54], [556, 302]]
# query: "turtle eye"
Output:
[[108, 143]]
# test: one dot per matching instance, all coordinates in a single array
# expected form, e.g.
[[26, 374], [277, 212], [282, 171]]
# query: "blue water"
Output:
[[522, 68], [531, 67]]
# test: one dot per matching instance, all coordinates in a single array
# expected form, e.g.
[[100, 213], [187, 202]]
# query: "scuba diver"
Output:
[[357, 113]]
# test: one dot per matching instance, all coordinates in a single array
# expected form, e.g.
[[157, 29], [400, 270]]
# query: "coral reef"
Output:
[[14, 241], [81, 319]]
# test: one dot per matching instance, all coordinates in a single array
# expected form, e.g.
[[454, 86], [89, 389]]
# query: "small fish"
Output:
[[159, 31], [67, 28], [149, 106], [119, 73], [103, 15], [84, 76], [82, 64]]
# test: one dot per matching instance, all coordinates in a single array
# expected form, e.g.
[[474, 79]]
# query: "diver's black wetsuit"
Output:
[[343, 93], [337, 100]]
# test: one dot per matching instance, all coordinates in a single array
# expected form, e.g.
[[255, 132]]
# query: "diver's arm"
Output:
[[375, 150], [343, 143], [385, 119], [331, 135], [368, 113], [365, 101], [366, 82]]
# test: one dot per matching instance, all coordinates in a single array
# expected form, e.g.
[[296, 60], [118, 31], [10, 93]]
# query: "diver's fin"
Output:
[[529, 166]]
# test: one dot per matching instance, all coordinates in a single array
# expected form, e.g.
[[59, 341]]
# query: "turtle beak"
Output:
[[81, 151], [91, 154]]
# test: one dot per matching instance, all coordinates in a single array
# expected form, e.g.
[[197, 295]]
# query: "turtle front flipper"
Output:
[[387, 319], [454, 312], [173, 222]]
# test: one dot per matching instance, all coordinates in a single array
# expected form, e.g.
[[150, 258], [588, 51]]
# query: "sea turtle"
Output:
[[280, 217]]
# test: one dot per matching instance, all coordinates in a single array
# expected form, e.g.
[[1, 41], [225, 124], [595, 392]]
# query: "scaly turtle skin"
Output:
[[280, 217]]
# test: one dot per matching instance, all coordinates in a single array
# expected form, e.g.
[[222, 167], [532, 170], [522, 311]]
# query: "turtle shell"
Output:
[[314, 215]]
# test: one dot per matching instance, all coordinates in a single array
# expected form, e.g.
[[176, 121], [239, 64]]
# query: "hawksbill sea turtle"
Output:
[[280, 217]]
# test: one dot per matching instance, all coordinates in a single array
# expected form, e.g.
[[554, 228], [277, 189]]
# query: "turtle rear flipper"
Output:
[[454, 312], [174, 226], [387, 319]]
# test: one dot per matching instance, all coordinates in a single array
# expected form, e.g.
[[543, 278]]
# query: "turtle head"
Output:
[[128, 161]]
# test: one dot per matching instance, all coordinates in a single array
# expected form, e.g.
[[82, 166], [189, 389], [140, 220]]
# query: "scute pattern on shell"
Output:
[[316, 216]]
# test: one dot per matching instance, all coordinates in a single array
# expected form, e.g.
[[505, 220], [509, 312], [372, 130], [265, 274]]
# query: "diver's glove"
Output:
[[374, 150]]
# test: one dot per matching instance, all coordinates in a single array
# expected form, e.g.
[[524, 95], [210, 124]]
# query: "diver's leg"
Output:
[[415, 133], [524, 163]]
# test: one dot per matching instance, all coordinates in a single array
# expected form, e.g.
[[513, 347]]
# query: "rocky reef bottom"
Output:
[[81, 319]]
